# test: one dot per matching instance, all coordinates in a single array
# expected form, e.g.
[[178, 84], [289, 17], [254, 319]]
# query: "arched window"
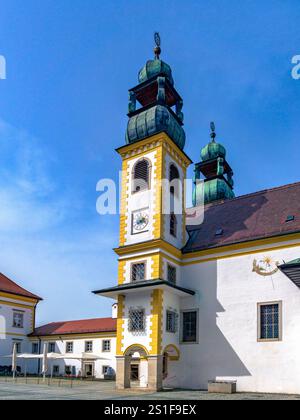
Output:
[[141, 175], [173, 225], [174, 179]]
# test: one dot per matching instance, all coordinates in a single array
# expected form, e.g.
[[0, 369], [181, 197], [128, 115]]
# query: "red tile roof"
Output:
[[8, 286], [250, 217], [77, 327]]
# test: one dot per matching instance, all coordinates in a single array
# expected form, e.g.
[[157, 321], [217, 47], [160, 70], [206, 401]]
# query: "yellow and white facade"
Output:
[[17, 320]]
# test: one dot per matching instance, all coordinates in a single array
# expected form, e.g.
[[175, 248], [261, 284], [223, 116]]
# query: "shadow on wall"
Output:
[[213, 356]]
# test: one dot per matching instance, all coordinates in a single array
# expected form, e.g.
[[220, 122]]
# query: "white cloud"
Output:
[[46, 245]]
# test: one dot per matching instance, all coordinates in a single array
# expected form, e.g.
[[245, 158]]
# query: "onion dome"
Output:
[[213, 149], [152, 121], [154, 68]]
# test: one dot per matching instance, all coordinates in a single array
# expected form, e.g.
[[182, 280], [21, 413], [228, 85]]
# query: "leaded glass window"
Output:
[[138, 272], [172, 322], [270, 322], [189, 327], [172, 274], [136, 320]]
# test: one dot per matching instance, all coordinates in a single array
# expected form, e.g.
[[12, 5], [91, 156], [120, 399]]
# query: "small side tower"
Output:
[[218, 182]]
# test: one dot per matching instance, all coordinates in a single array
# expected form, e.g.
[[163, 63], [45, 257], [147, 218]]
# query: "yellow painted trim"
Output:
[[121, 272], [132, 346], [172, 346], [17, 305], [239, 254], [12, 335], [120, 325], [123, 207], [17, 297], [156, 319], [158, 176], [148, 245], [152, 142]]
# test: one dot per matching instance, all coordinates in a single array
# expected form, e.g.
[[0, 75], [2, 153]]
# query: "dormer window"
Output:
[[141, 176], [290, 218]]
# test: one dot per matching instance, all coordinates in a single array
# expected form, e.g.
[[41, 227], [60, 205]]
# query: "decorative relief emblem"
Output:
[[265, 267]]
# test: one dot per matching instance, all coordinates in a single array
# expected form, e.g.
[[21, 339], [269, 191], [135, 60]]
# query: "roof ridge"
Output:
[[241, 197], [75, 320]]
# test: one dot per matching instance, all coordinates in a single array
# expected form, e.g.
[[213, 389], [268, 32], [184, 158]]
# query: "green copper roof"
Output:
[[154, 68], [212, 151], [153, 121]]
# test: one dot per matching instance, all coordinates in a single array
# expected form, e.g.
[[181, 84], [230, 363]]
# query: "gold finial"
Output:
[[157, 49], [213, 131]]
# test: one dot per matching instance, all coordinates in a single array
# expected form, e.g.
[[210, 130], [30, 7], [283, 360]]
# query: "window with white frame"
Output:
[[88, 346], [138, 272], [172, 274], [171, 321], [51, 347], [18, 319], [189, 326], [69, 347], [35, 348], [136, 320], [106, 346], [269, 319]]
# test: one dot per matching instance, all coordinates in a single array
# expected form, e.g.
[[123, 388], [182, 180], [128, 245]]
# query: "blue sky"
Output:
[[63, 111]]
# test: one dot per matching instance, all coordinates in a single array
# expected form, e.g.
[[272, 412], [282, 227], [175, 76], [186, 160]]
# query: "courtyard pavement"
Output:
[[106, 391]]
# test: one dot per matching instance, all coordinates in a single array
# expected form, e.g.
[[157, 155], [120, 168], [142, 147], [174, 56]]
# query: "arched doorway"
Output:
[[136, 357], [171, 355]]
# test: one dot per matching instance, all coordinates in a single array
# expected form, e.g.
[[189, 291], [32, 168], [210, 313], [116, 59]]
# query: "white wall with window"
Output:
[[101, 345], [16, 322], [248, 324]]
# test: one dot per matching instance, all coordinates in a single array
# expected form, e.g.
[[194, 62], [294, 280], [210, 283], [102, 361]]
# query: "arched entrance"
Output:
[[171, 354], [138, 369]]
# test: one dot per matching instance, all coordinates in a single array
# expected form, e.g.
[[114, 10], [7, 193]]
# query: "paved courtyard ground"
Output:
[[106, 391]]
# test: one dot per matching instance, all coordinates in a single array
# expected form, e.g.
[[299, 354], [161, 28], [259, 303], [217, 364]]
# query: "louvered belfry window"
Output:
[[174, 179], [141, 176], [173, 225]]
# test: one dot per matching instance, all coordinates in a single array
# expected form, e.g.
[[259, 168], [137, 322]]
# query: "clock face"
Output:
[[140, 221]]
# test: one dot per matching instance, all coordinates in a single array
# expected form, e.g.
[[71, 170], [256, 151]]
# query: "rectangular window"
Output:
[[172, 322], [269, 317], [68, 370], [18, 347], [35, 348], [18, 320], [105, 370], [56, 370], [172, 274], [106, 345], [138, 272], [136, 320], [189, 327], [69, 347], [51, 347], [88, 346]]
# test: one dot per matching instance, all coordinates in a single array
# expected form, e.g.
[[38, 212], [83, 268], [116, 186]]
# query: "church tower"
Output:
[[218, 175], [152, 228]]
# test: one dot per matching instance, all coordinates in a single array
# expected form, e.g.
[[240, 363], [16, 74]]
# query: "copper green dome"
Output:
[[212, 151], [154, 68]]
